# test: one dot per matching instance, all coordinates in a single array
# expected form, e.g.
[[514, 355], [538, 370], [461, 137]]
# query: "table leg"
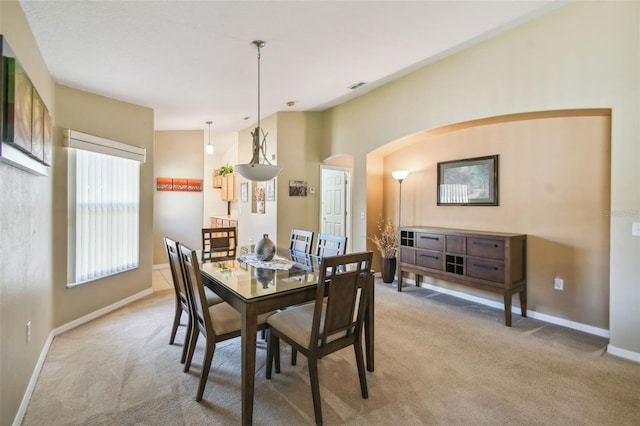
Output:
[[249, 331]]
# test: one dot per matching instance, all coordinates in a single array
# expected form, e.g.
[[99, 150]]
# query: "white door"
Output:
[[333, 202]]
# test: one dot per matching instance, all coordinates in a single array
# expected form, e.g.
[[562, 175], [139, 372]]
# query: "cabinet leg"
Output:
[[507, 309], [399, 279], [418, 280], [523, 302]]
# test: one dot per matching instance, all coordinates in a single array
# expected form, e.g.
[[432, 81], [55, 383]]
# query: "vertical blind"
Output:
[[107, 207]]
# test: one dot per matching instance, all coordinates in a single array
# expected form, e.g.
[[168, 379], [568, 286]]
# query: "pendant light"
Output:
[[255, 170], [209, 148]]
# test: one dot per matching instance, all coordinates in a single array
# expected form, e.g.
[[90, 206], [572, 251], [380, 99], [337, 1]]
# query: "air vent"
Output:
[[356, 85]]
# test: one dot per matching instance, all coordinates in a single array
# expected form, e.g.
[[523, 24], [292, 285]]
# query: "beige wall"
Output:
[[546, 190], [583, 55], [26, 281], [119, 121], [177, 215]]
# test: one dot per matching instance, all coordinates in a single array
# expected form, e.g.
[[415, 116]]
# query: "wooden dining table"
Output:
[[254, 290]]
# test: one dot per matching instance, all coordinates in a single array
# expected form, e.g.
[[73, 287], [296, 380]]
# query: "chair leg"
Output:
[[315, 388], [206, 366], [176, 322], [187, 340], [270, 347], [195, 332], [294, 356], [361, 371]]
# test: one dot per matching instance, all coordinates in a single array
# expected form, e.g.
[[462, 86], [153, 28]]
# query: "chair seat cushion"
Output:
[[226, 319], [296, 323], [212, 297]]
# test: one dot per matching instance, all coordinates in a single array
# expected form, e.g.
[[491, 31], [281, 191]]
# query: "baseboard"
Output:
[[100, 312], [515, 309], [160, 266], [22, 409], [17, 421], [624, 353]]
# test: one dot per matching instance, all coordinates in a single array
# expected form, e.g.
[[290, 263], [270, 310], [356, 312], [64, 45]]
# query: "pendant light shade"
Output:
[[209, 148], [256, 170]]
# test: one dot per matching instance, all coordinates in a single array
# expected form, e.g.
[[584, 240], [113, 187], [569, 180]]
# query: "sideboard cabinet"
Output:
[[486, 260]]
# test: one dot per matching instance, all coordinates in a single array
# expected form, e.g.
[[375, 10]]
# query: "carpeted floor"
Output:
[[439, 361]]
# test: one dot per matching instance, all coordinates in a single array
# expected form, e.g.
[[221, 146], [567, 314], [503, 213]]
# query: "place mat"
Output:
[[275, 263]]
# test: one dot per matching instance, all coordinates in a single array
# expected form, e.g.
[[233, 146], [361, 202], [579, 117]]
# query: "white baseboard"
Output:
[[17, 420], [624, 353], [100, 312], [160, 266], [602, 332]]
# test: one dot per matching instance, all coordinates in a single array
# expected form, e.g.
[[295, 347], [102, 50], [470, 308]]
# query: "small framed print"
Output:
[[244, 192], [469, 182], [270, 190]]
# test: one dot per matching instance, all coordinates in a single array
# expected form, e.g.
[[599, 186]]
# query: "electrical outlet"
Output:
[[558, 283], [28, 331]]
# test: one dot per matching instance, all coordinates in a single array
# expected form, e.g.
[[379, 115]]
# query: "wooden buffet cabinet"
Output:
[[485, 260]]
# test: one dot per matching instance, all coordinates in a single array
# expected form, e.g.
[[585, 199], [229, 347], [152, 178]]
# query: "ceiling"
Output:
[[193, 61]]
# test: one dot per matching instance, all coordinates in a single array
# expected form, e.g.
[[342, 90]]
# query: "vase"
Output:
[[388, 269], [264, 276], [265, 249]]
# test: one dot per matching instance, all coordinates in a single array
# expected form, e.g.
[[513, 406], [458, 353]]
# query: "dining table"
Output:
[[254, 287]]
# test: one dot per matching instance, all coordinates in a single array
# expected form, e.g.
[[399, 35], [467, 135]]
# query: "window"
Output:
[[104, 215]]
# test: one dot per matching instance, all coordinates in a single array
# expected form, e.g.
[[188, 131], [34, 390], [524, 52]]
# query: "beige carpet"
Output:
[[439, 361]]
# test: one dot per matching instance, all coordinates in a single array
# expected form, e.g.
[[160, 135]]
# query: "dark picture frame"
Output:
[[468, 182]]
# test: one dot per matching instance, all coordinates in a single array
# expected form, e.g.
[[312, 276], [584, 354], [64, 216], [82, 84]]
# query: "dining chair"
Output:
[[301, 240], [327, 245], [216, 323], [219, 243], [182, 295], [333, 322], [331, 245]]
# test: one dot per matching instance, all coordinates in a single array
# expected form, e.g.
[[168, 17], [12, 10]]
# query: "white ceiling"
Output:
[[193, 61]]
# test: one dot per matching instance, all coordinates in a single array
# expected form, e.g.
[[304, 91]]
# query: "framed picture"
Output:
[[244, 192], [297, 188], [468, 182], [270, 190]]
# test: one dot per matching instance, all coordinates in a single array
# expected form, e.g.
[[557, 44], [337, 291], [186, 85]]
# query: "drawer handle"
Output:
[[429, 238], [429, 256], [481, 244], [482, 266]]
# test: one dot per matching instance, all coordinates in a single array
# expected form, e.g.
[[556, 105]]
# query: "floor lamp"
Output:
[[399, 175]]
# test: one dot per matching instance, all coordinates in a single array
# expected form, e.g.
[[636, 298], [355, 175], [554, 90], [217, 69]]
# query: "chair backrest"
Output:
[[301, 240], [331, 245], [177, 274], [219, 243], [338, 317], [193, 280]]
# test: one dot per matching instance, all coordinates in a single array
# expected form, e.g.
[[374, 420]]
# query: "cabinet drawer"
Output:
[[455, 244], [485, 247], [407, 255], [429, 259], [429, 241], [486, 270]]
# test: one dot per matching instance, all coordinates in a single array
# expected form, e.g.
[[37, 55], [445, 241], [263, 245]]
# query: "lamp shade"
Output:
[[258, 172], [208, 149], [399, 174]]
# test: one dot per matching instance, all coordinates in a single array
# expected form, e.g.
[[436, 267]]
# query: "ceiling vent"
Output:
[[356, 85]]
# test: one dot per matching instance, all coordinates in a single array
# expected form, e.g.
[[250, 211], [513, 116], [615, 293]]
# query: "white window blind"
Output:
[[104, 215]]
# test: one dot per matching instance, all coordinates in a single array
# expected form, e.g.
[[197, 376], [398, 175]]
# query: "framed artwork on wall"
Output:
[[468, 182], [244, 192], [270, 190]]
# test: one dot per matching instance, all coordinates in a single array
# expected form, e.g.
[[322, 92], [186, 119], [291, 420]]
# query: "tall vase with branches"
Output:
[[387, 244]]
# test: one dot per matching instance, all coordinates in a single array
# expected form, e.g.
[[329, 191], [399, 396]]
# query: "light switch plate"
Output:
[[635, 229]]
